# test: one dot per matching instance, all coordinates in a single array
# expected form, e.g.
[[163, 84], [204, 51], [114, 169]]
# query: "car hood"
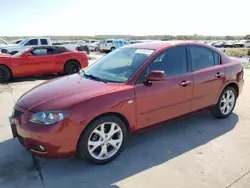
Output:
[[10, 46], [61, 93]]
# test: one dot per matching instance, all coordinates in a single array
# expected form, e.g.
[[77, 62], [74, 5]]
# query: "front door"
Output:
[[209, 76], [164, 100], [44, 60]]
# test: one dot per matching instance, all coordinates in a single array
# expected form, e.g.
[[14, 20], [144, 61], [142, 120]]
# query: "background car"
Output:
[[90, 41], [93, 46], [131, 89], [41, 60], [111, 44], [219, 44]]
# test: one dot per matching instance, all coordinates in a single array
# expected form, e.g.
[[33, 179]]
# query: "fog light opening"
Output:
[[40, 148]]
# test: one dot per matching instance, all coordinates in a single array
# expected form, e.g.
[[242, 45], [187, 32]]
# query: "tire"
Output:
[[12, 53], [102, 142], [112, 49], [231, 101], [5, 74], [72, 67]]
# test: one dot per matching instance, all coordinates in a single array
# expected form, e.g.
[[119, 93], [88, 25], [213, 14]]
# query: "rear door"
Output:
[[164, 100], [209, 76]]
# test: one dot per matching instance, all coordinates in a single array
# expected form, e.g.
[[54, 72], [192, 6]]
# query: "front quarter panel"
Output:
[[120, 101]]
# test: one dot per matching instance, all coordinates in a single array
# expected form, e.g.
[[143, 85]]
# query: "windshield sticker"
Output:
[[144, 51]]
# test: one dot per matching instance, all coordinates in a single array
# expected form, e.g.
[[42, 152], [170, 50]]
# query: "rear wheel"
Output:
[[112, 49], [71, 67], [5, 74], [226, 103], [103, 140]]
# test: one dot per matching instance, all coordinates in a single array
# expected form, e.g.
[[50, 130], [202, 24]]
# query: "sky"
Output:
[[124, 17]]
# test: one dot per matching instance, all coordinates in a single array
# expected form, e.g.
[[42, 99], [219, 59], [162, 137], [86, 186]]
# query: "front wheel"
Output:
[[103, 140], [226, 103]]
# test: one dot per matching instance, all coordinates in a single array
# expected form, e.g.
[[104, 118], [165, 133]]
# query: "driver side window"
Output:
[[173, 62]]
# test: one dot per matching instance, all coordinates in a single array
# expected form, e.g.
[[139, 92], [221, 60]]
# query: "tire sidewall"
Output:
[[83, 142], [68, 64], [219, 101], [7, 73]]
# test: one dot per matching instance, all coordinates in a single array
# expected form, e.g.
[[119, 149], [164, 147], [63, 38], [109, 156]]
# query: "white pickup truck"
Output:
[[39, 41], [24, 44]]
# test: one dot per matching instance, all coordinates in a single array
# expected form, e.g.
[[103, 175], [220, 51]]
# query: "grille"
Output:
[[16, 114]]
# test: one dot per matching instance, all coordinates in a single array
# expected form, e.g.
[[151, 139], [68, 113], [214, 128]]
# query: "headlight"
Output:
[[49, 117]]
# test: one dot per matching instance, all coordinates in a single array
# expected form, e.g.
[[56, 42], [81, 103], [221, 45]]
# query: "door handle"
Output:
[[218, 75], [185, 83]]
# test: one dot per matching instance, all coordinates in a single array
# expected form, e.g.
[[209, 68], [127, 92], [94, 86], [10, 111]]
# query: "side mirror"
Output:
[[156, 75]]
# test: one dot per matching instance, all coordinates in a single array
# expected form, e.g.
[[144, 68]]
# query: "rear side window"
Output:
[[32, 42], [44, 42], [201, 57], [109, 41], [120, 42]]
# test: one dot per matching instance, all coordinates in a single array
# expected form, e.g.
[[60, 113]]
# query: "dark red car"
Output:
[[41, 60], [131, 89]]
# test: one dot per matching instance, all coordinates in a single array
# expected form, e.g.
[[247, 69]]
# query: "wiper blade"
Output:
[[94, 77]]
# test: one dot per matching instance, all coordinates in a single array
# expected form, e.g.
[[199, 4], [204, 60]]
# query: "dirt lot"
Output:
[[198, 152]]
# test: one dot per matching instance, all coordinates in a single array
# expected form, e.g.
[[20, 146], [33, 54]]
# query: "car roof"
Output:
[[156, 45]]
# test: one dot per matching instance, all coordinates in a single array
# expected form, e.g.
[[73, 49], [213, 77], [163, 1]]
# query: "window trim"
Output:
[[31, 44], [204, 47], [188, 69], [44, 40]]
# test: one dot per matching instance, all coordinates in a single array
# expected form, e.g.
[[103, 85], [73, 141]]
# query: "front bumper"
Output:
[[58, 140]]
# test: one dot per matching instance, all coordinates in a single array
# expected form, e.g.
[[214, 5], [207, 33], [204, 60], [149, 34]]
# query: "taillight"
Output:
[[76, 49]]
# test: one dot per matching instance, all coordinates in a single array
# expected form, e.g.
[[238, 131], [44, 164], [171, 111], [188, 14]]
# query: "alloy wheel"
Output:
[[105, 140], [72, 68], [227, 102]]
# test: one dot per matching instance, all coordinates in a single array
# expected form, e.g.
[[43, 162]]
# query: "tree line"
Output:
[[131, 37]]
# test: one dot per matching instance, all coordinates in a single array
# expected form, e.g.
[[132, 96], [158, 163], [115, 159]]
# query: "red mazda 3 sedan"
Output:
[[133, 88]]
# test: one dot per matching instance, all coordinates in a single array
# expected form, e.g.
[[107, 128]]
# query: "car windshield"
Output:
[[119, 65], [21, 52]]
